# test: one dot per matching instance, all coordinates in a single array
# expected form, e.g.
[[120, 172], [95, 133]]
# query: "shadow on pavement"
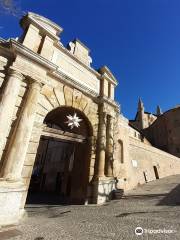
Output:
[[172, 198], [145, 212]]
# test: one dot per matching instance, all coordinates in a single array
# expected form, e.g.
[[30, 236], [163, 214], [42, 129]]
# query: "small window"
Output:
[[121, 151]]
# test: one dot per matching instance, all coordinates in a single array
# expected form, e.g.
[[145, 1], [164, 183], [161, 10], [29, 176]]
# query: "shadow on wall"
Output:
[[172, 198], [106, 191]]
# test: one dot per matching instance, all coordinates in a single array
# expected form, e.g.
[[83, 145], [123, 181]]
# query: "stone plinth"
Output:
[[102, 190]]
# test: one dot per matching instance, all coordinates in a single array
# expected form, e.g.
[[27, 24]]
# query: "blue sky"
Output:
[[139, 40]]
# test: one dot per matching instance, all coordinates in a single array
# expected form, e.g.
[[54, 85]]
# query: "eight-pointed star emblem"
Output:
[[73, 121]]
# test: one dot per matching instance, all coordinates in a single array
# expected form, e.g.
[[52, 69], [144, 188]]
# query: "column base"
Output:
[[103, 189], [10, 202]]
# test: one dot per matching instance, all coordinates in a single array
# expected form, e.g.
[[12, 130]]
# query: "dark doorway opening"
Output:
[[156, 172], [61, 169]]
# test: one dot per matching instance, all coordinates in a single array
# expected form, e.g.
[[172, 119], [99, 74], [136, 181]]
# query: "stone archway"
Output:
[[61, 169], [50, 99]]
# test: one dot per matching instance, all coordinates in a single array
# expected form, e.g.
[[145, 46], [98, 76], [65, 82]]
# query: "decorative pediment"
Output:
[[104, 71], [42, 23]]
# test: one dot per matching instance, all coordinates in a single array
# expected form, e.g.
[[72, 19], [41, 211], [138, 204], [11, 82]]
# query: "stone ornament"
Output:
[[73, 121]]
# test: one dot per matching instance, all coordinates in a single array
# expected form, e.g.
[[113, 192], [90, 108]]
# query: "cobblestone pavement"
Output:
[[155, 205]]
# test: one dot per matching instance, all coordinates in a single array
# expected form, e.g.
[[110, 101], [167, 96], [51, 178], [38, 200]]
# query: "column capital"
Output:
[[15, 73], [35, 84]]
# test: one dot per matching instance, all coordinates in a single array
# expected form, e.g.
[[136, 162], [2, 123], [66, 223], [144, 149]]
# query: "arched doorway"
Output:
[[61, 169]]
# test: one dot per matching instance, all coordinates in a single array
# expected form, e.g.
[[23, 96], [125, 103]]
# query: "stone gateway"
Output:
[[62, 135]]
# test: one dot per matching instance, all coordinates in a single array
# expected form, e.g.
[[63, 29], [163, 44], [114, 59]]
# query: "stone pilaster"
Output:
[[101, 143], [109, 146], [7, 104], [16, 153]]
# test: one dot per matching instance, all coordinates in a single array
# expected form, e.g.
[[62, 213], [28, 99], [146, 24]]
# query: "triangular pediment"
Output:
[[105, 71]]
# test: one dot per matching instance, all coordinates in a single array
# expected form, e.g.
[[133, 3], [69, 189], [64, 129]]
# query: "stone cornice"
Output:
[[54, 71], [43, 61], [18, 47], [98, 99], [51, 67], [70, 81], [110, 102]]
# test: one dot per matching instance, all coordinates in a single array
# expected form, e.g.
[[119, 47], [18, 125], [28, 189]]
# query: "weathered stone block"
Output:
[[76, 98], [18, 101], [32, 148], [42, 111], [27, 171], [83, 103], [68, 94], [39, 118], [47, 48], [43, 101], [22, 91], [59, 92], [30, 158], [48, 92]]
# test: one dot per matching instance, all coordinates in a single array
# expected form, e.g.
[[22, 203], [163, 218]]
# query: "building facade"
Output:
[[164, 133], [143, 119], [161, 129], [61, 132]]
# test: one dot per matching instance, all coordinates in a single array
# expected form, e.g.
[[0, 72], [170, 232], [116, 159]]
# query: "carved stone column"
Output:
[[101, 144], [16, 153], [109, 147], [7, 104]]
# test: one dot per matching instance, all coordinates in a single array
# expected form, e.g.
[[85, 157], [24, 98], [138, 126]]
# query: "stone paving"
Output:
[[153, 206]]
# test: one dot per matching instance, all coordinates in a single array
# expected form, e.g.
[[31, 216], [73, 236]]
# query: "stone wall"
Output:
[[164, 133], [147, 157], [134, 156]]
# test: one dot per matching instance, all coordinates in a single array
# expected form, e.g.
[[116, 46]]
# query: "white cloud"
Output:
[[11, 7]]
